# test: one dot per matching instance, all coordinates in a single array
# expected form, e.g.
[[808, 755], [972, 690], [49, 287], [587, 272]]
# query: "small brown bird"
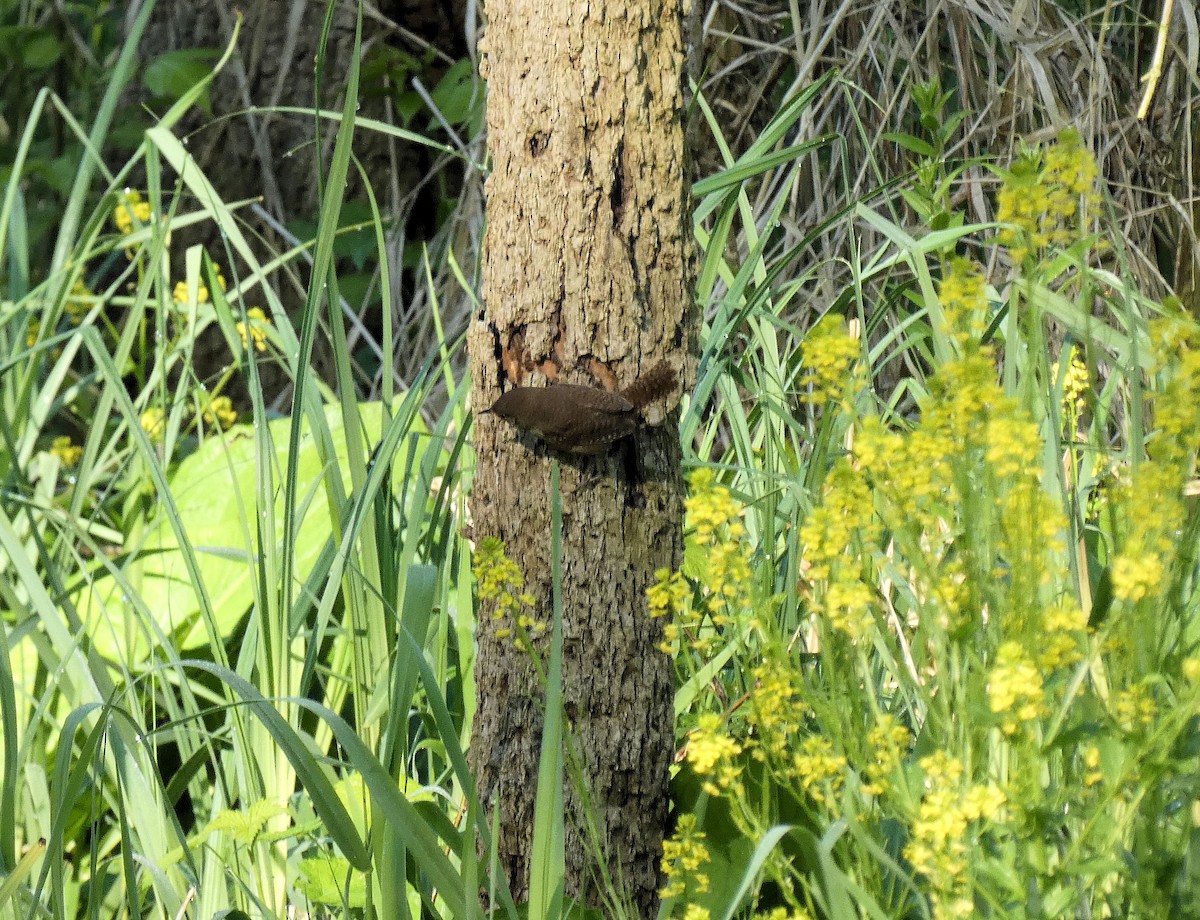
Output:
[[583, 420]]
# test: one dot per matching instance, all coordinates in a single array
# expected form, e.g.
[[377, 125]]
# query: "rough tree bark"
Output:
[[587, 280]]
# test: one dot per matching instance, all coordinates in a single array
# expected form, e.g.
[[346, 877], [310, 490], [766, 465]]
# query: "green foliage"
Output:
[[935, 632], [956, 675], [929, 194], [458, 97], [170, 75], [73, 48], [213, 488], [455, 100], [310, 563]]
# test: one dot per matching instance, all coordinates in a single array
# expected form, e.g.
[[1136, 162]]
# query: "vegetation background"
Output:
[[935, 635]]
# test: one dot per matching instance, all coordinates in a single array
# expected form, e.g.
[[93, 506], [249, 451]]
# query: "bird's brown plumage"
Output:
[[583, 420]]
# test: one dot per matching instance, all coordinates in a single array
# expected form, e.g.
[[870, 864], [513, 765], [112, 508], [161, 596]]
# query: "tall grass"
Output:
[[236, 654], [935, 631]]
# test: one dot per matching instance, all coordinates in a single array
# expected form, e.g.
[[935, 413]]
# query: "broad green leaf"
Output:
[[214, 489]]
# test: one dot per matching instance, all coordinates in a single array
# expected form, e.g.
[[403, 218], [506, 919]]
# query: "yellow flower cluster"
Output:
[[499, 580], [1191, 669], [1040, 198], [154, 423], [1176, 410], [1140, 569], [1092, 774], [847, 604], [710, 752], [835, 536], [256, 330], [130, 209], [943, 591], [1015, 689], [684, 853], [669, 594], [1064, 629], [912, 480], [1011, 442], [1071, 168], [890, 742], [948, 821], [820, 771], [1074, 385], [915, 481], [783, 913], [966, 413], [963, 296], [776, 708], [1134, 707], [1032, 528], [845, 517], [220, 412], [180, 293], [67, 452], [829, 353], [715, 537], [712, 512]]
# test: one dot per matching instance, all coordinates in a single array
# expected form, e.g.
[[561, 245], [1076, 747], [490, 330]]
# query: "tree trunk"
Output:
[[587, 280]]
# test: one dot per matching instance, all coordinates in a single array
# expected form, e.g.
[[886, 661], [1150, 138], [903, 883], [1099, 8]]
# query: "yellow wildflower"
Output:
[[257, 331], [710, 752], [782, 913], [711, 509], [776, 707], [154, 423], [67, 453], [889, 741], [848, 604], [684, 853], [941, 769], [1191, 669], [819, 770], [498, 579], [963, 296], [129, 209], [1091, 761], [669, 592], [845, 517], [1135, 709], [1015, 688], [1136, 575], [1063, 625], [220, 411], [1040, 197], [1011, 444], [1075, 382], [180, 292], [983, 802], [829, 353], [944, 831]]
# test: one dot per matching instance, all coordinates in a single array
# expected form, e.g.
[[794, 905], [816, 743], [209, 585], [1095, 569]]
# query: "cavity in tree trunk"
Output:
[[587, 280]]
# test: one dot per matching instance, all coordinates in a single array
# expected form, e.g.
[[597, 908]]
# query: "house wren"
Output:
[[583, 420]]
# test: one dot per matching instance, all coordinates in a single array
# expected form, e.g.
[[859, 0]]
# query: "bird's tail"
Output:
[[654, 384]]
